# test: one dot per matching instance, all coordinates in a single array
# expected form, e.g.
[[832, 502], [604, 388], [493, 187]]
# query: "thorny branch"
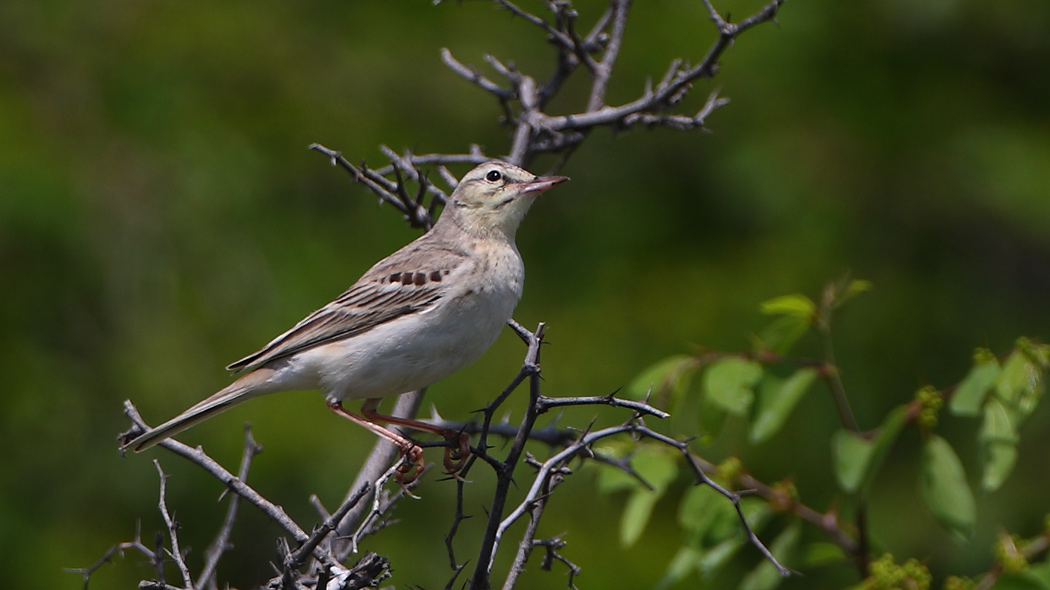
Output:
[[173, 529], [215, 551], [523, 101]]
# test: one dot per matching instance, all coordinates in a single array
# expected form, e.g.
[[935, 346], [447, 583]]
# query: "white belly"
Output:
[[412, 351]]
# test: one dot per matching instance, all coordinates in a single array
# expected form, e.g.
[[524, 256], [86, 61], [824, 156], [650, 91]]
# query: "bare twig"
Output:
[[173, 530], [552, 546], [222, 539], [155, 558], [546, 403], [473, 75], [379, 505], [734, 497], [540, 483], [201, 459], [297, 558], [602, 70]]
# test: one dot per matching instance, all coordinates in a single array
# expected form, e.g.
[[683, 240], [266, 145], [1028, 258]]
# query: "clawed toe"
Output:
[[411, 466], [456, 457]]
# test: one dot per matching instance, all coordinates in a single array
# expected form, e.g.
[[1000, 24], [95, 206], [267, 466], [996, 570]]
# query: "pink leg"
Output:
[[406, 474], [454, 458]]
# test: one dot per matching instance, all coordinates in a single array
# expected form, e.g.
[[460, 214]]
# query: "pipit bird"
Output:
[[416, 317]]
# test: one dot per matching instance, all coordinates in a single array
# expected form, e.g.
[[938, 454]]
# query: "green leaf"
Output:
[[852, 457], [684, 562], [969, 396], [1021, 385], [636, 515], [1039, 573], [998, 438], [1020, 581], [670, 376], [658, 469], [999, 460], [777, 400], [1014, 377], [706, 516], [728, 382], [717, 557], [782, 333], [998, 424], [765, 575], [945, 489], [796, 305], [713, 527], [656, 465], [612, 479], [822, 553], [712, 417], [854, 288], [857, 460]]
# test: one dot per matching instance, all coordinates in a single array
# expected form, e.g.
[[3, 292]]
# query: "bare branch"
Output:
[[173, 530], [555, 35], [545, 471], [222, 539], [297, 558], [379, 504], [546, 403], [734, 497], [201, 459], [471, 74], [552, 545], [154, 558], [603, 69]]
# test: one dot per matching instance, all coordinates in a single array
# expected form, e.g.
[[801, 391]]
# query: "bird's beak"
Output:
[[542, 183]]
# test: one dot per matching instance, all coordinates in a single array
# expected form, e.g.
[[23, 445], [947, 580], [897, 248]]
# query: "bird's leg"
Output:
[[407, 473], [455, 457]]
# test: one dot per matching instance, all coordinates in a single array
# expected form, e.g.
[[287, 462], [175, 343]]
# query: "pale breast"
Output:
[[419, 349]]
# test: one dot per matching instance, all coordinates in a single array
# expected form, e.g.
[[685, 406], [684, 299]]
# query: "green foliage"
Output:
[[998, 437], [888, 575], [945, 489], [656, 468], [728, 384], [762, 390], [969, 396], [776, 399], [667, 379], [765, 576], [857, 459], [797, 313]]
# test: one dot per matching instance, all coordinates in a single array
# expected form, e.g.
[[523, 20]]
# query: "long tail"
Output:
[[241, 390]]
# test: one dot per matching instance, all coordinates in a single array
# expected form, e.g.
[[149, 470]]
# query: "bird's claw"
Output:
[[456, 458], [412, 465]]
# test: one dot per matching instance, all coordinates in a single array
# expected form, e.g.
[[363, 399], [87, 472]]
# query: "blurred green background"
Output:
[[160, 217]]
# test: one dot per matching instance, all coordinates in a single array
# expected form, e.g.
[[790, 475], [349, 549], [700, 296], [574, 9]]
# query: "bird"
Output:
[[419, 315]]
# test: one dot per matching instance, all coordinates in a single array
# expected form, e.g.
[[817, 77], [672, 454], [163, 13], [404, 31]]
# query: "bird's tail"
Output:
[[243, 389]]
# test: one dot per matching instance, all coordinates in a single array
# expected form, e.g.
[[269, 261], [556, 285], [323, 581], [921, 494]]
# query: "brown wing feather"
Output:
[[371, 301]]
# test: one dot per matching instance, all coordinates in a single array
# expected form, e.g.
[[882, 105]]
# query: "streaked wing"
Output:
[[410, 281]]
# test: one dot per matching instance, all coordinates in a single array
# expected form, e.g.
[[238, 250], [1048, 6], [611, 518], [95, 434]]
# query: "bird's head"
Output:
[[495, 196]]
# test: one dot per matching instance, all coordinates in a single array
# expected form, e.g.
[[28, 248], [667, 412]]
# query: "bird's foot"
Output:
[[411, 465], [456, 457]]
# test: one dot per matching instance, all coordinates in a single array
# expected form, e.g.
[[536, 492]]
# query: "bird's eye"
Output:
[[493, 176]]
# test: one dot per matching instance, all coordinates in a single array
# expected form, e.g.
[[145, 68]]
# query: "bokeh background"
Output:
[[160, 217]]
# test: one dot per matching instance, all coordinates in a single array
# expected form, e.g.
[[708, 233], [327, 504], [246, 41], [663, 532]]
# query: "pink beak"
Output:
[[542, 183]]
